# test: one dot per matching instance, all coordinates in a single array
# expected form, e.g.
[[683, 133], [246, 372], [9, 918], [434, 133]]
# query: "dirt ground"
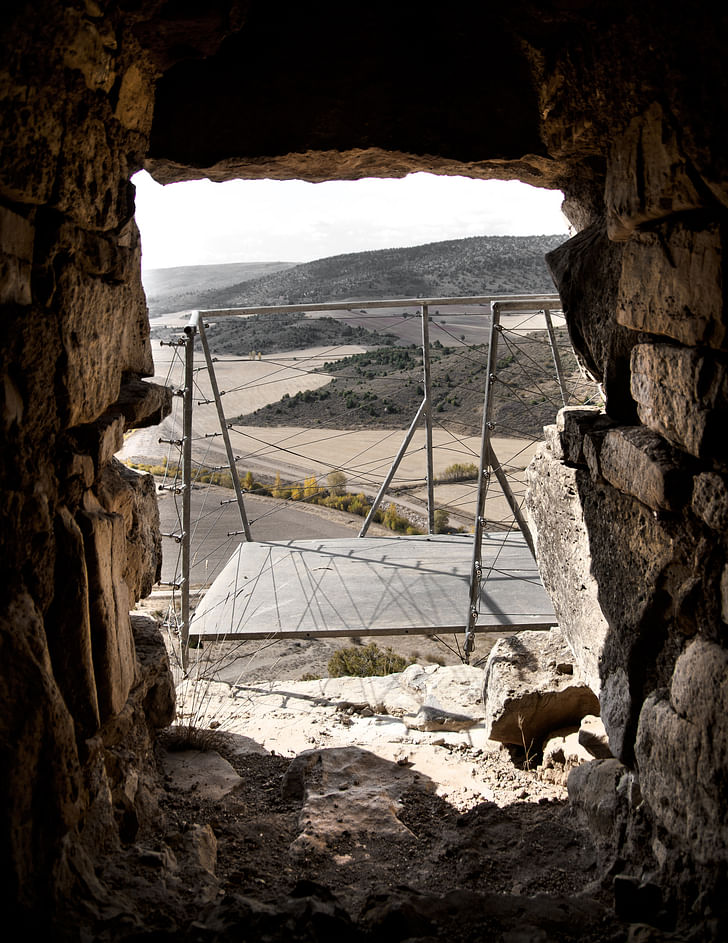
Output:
[[344, 825], [515, 872], [513, 869]]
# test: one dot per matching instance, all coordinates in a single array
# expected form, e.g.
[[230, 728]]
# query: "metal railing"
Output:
[[495, 306]]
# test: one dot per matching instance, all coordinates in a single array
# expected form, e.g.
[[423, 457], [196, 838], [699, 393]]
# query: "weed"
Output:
[[528, 751], [365, 662]]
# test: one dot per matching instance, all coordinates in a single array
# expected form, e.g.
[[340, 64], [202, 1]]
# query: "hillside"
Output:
[[479, 265], [383, 388], [178, 288]]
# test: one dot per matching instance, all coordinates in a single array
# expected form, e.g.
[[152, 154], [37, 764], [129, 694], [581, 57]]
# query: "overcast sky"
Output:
[[200, 223]]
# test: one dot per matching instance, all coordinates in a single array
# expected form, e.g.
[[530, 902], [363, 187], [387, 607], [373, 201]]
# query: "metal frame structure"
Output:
[[489, 465]]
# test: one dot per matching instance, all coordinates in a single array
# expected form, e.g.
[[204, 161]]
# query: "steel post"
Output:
[[483, 478], [555, 355], [190, 331], [224, 430], [427, 378], [390, 474]]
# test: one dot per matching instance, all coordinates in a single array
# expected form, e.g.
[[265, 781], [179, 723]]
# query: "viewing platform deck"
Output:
[[372, 586]]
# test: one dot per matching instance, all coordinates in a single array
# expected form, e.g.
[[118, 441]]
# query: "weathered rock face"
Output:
[[83, 686], [532, 689], [622, 105]]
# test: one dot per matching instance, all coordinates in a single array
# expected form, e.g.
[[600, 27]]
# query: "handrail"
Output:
[[497, 305], [537, 301]]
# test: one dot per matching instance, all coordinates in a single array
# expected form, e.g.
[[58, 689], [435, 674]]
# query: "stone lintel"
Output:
[[573, 423]]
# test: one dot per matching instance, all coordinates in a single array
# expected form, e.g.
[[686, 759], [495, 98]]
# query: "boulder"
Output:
[[562, 751], [532, 687], [593, 737]]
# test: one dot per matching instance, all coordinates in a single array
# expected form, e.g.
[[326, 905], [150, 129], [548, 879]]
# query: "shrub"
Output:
[[310, 487], [459, 472], [365, 662], [442, 520], [336, 480]]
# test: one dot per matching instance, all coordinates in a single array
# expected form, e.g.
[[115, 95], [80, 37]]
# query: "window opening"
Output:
[[365, 466]]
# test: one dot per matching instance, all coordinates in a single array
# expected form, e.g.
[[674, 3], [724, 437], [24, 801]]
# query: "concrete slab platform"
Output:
[[371, 586]]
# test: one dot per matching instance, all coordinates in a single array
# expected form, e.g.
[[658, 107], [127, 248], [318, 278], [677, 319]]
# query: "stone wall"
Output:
[[631, 510], [83, 687], [623, 106]]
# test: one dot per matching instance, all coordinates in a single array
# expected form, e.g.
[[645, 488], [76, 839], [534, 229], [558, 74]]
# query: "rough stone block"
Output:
[[564, 559], [99, 351], [586, 270], [112, 641], [90, 48], [710, 500], [155, 672], [553, 441], [531, 688], [593, 796], [132, 495], [682, 753], [639, 462], [672, 284], [43, 784], [135, 105], [81, 467], [683, 395], [69, 630], [593, 442], [34, 114], [16, 256], [563, 749], [102, 439], [609, 564], [143, 404], [92, 184], [12, 406], [647, 175], [593, 737], [573, 424]]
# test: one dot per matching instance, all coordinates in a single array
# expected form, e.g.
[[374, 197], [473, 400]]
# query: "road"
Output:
[[214, 518]]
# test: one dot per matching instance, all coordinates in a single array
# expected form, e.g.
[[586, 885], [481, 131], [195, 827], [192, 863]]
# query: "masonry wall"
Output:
[[623, 108], [83, 686]]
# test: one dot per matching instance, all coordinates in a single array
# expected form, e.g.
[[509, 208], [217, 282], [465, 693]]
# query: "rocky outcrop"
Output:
[[531, 688]]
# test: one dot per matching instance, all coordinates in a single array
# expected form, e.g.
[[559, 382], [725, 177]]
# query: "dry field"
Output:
[[365, 456]]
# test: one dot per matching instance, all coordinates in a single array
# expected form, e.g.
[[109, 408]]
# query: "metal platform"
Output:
[[371, 586]]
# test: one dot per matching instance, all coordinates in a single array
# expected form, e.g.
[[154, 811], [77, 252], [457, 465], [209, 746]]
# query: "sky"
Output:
[[202, 223]]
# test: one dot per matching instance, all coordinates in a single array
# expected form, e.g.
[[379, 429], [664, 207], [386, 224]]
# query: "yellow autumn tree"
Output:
[[310, 487]]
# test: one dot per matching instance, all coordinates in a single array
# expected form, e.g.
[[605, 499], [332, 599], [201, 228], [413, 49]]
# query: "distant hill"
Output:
[[475, 266], [179, 288]]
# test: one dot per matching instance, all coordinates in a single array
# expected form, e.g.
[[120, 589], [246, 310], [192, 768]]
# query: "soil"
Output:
[[438, 860], [518, 870]]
